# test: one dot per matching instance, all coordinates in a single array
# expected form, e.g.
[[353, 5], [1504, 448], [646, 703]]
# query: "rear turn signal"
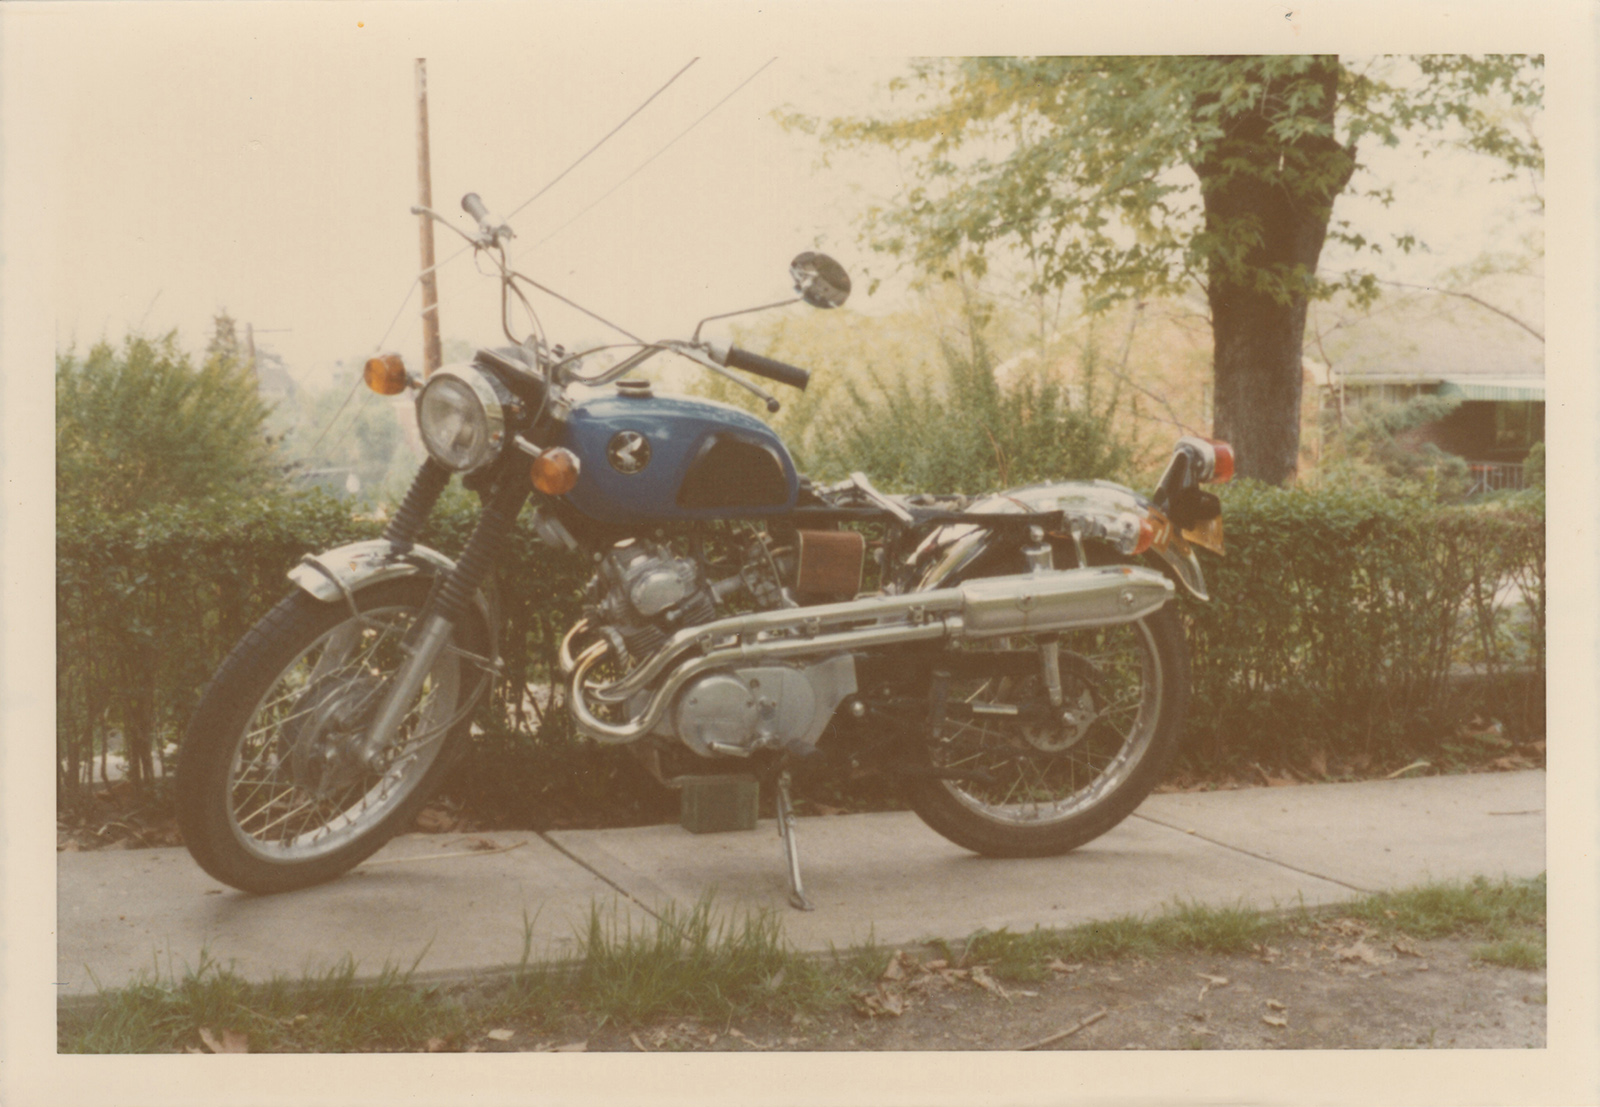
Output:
[[385, 374], [1222, 468], [555, 472], [1147, 536]]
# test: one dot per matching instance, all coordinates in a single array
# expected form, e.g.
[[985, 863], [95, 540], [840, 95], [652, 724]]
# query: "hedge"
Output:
[[1347, 630]]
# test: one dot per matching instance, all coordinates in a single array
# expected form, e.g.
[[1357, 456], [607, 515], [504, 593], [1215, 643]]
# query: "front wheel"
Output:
[[273, 790], [1012, 774]]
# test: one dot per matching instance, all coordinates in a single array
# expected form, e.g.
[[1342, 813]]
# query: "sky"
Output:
[[267, 168]]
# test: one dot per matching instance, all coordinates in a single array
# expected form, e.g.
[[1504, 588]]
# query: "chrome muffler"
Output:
[[1033, 603]]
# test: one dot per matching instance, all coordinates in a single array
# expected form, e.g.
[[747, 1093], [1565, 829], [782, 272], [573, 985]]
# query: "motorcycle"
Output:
[[1018, 661]]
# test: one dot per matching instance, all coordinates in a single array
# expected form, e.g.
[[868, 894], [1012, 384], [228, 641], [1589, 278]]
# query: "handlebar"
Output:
[[773, 370]]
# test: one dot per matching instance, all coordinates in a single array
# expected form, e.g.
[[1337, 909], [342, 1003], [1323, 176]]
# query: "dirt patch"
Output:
[[1322, 992]]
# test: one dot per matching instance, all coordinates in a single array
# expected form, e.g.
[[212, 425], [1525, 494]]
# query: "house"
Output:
[[1491, 361]]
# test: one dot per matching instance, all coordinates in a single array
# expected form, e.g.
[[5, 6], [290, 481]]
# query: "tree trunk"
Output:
[[1267, 207]]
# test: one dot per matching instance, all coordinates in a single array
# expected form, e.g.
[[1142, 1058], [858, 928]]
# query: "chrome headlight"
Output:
[[462, 416]]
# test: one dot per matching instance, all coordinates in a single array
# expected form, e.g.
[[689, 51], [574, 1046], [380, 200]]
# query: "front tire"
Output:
[[271, 792], [1026, 789]]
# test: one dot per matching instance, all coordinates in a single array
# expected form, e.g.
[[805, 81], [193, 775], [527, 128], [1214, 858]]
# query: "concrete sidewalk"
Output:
[[432, 901]]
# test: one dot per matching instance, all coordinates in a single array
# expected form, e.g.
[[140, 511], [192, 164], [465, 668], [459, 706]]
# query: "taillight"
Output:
[[1222, 467]]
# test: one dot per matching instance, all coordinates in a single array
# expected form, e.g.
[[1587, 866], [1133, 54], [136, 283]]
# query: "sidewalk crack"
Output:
[[1188, 833], [602, 877]]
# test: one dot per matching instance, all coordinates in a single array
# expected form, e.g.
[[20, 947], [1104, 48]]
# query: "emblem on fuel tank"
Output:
[[628, 452]]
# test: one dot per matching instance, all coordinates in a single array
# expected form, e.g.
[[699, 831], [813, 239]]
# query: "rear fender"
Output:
[[945, 555]]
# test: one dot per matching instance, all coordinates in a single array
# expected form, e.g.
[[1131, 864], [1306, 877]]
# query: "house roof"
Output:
[[1424, 337]]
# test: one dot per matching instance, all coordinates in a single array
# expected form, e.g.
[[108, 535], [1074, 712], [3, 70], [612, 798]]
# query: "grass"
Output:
[[699, 964]]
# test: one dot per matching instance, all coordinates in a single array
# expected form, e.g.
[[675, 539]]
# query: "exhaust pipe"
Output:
[[1035, 603]]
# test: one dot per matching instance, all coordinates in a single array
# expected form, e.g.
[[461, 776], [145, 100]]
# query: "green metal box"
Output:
[[713, 804]]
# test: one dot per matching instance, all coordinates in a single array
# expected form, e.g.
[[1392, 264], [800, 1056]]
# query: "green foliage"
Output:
[[140, 425], [1093, 169], [1381, 448], [969, 431], [1338, 619], [1533, 467], [1491, 909]]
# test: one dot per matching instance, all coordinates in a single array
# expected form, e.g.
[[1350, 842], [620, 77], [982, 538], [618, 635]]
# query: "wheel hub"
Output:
[[329, 729], [1075, 716]]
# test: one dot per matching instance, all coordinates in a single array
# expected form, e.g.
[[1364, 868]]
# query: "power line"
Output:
[[652, 157], [603, 141], [608, 136]]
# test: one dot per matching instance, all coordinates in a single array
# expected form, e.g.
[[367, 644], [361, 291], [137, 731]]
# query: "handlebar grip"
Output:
[[779, 371], [475, 207]]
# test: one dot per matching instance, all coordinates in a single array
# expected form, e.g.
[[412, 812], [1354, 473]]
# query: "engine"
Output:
[[644, 592]]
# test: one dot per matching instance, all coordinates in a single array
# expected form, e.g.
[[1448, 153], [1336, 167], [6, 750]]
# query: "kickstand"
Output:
[[791, 852]]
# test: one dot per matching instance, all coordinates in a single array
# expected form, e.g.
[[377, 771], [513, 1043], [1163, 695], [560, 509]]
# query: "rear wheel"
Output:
[[273, 790], [1011, 774]]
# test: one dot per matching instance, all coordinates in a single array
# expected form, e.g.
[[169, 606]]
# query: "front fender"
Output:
[[330, 575], [948, 551]]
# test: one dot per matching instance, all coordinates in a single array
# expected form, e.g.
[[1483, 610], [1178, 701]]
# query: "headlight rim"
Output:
[[495, 402]]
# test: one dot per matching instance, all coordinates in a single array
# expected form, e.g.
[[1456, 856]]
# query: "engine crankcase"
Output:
[[738, 711]]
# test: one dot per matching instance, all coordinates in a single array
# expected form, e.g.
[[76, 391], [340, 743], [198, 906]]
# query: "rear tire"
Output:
[[1038, 791], [270, 795]]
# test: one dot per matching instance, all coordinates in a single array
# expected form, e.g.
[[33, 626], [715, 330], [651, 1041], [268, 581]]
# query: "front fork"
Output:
[[450, 600]]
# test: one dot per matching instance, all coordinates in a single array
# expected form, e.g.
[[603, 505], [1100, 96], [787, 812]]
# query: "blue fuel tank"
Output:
[[659, 459]]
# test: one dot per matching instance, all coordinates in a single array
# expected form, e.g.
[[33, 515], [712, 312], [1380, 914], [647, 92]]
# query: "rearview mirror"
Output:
[[821, 281]]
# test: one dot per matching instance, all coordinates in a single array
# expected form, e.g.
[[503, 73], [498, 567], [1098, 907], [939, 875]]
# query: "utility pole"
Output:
[[432, 355], [250, 341]]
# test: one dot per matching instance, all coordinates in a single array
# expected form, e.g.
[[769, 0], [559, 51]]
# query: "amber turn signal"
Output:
[[1147, 536], [555, 472], [1222, 469], [385, 374]]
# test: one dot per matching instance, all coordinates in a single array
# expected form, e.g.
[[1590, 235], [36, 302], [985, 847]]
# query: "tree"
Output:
[[140, 425], [1143, 176]]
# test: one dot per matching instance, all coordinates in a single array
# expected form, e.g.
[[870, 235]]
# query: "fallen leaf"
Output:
[[69, 847], [578, 1047], [1277, 1022], [1358, 951], [1030, 995], [194, 1049], [434, 820], [775, 981], [1214, 981], [981, 977], [1408, 768], [482, 844], [880, 1002], [637, 1044], [232, 1041], [1057, 965], [894, 971], [435, 1045], [501, 1035], [1406, 948], [1276, 1006], [935, 965]]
